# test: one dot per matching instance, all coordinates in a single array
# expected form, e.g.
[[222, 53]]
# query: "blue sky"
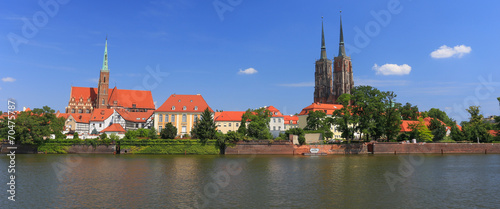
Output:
[[201, 48]]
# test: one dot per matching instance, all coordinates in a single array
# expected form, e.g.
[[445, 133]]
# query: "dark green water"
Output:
[[161, 181]]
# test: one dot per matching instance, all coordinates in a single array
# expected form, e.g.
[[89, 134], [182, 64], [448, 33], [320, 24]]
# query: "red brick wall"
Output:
[[289, 149], [395, 148]]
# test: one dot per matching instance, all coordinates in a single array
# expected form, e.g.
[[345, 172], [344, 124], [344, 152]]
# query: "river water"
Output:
[[263, 181]]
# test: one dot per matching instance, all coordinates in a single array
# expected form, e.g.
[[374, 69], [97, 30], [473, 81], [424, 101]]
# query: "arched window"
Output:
[[184, 118], [184, 108], [104, 79], [173, 107], [103, 101]]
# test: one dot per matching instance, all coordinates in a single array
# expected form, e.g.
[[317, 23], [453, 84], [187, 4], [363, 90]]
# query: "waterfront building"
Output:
[[101, 119], [86, 99], [291, 121], [276, 122], [228, 120], [114, 128], [327, 108], [180, 110]]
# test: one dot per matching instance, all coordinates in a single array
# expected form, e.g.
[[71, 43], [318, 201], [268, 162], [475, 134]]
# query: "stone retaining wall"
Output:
[[439, 148]]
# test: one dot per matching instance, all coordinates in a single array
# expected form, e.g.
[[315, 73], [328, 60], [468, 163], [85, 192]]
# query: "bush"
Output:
[[169, 132]]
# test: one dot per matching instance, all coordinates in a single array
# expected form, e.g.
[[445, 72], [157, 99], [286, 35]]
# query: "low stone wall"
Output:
[[248, 148], [435, 148], [333, 149]]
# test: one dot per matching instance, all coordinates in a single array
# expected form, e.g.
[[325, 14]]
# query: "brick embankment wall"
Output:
[[436, 148], [248, 148], [84, 149], [332, 149]]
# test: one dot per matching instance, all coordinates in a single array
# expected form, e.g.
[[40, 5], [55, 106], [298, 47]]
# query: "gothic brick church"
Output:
[[330, 84], [86, 99]]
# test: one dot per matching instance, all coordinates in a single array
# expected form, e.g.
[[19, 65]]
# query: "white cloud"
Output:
[[392, 69], [447, 52], [247, 71], [301, 84], [8, 79]]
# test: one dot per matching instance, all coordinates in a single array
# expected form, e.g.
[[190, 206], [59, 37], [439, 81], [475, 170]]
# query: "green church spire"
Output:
[[105, 61], [341, 44], [323, 47]]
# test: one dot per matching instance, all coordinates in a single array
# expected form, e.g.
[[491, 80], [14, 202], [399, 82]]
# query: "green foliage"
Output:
[[243, 127], [441, 115], [131, 134], [204, 129], [49, 148], [421, 132], [315, 120], [142, 132], [75, 135], [258, 127], [409, 112], [103, 136], [114, 137], [437, 129], [344, 118], [390, 118], [296, 131], [181, 149], [152, 133], [475, 129], [169, 132], [456, 134]]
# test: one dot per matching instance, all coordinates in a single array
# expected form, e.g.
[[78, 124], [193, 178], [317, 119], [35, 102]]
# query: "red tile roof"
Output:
[[81, 117], [129, 98], [330, 108], [229, 116], [115, 127], [405, 125], [184, 103], [138, 117], [124, 98], [101, 114], [293, 118], [274, 111], [494, 132]]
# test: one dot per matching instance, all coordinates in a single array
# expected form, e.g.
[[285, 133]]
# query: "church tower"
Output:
[[323, 86], [103, 87], [342, 73]]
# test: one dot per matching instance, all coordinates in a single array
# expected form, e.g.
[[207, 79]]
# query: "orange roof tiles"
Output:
[[405, 125], [328, 108], [115, 127], [135, 116], [129, 98], [229, 116], [83, 92], [184, 103], [81, 117], [274, 111], [291, 118], [101, 114], [494, 132]]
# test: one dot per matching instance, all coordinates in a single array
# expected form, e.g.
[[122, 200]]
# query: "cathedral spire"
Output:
[[341, 43], [323, 47], [105, 61]]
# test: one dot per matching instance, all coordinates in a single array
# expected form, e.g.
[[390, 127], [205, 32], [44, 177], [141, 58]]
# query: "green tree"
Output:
[[205, 129], [475, 129], [94, 132], [421, 132], [409, 112], [223, 140], [437, 129], [33, 126], [390, 118], [152, 133], [114, 137], [131, 134], [441, 115], [258, 127], [456, 133], [315, 120], [103, 136], [343, 118], [169, 132], [75, 135], [243, 127], [296, 131], [367, 105]]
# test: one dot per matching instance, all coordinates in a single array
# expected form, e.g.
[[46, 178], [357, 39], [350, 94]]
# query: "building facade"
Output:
[[228, 121], [182, 111]]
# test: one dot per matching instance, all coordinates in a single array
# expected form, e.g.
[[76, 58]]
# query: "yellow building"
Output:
[[180, 110], [228, 121], [327, 108]]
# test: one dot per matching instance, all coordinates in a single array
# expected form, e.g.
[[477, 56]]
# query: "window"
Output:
[[72, 110], [274, 128], [229, 124], [179, 100], [237, 124], [137, 125], [104, 79], [133, 105], [274, 120], [184, 118], [279, 128], [80, 111], [183, 129], [195, 107], [87, 111], [191, 101], [184, 108], [103, 101], [159, 128], [173, 107], [166, 118], [224, 124], [172, 119], [160, 118], [100, 125], [195, 118], [279, 120]]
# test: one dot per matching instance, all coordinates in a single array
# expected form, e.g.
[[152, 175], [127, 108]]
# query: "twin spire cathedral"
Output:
[[331, 83]]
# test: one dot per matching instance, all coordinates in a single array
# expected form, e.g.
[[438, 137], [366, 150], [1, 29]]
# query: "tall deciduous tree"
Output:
[[441, 115], [475, 129], [205, 129], [421, 132], [367, 104], [409, 112], [456, 133], [344, 118], [315, 120], [391, 118], [258, 127], [437, 129]]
